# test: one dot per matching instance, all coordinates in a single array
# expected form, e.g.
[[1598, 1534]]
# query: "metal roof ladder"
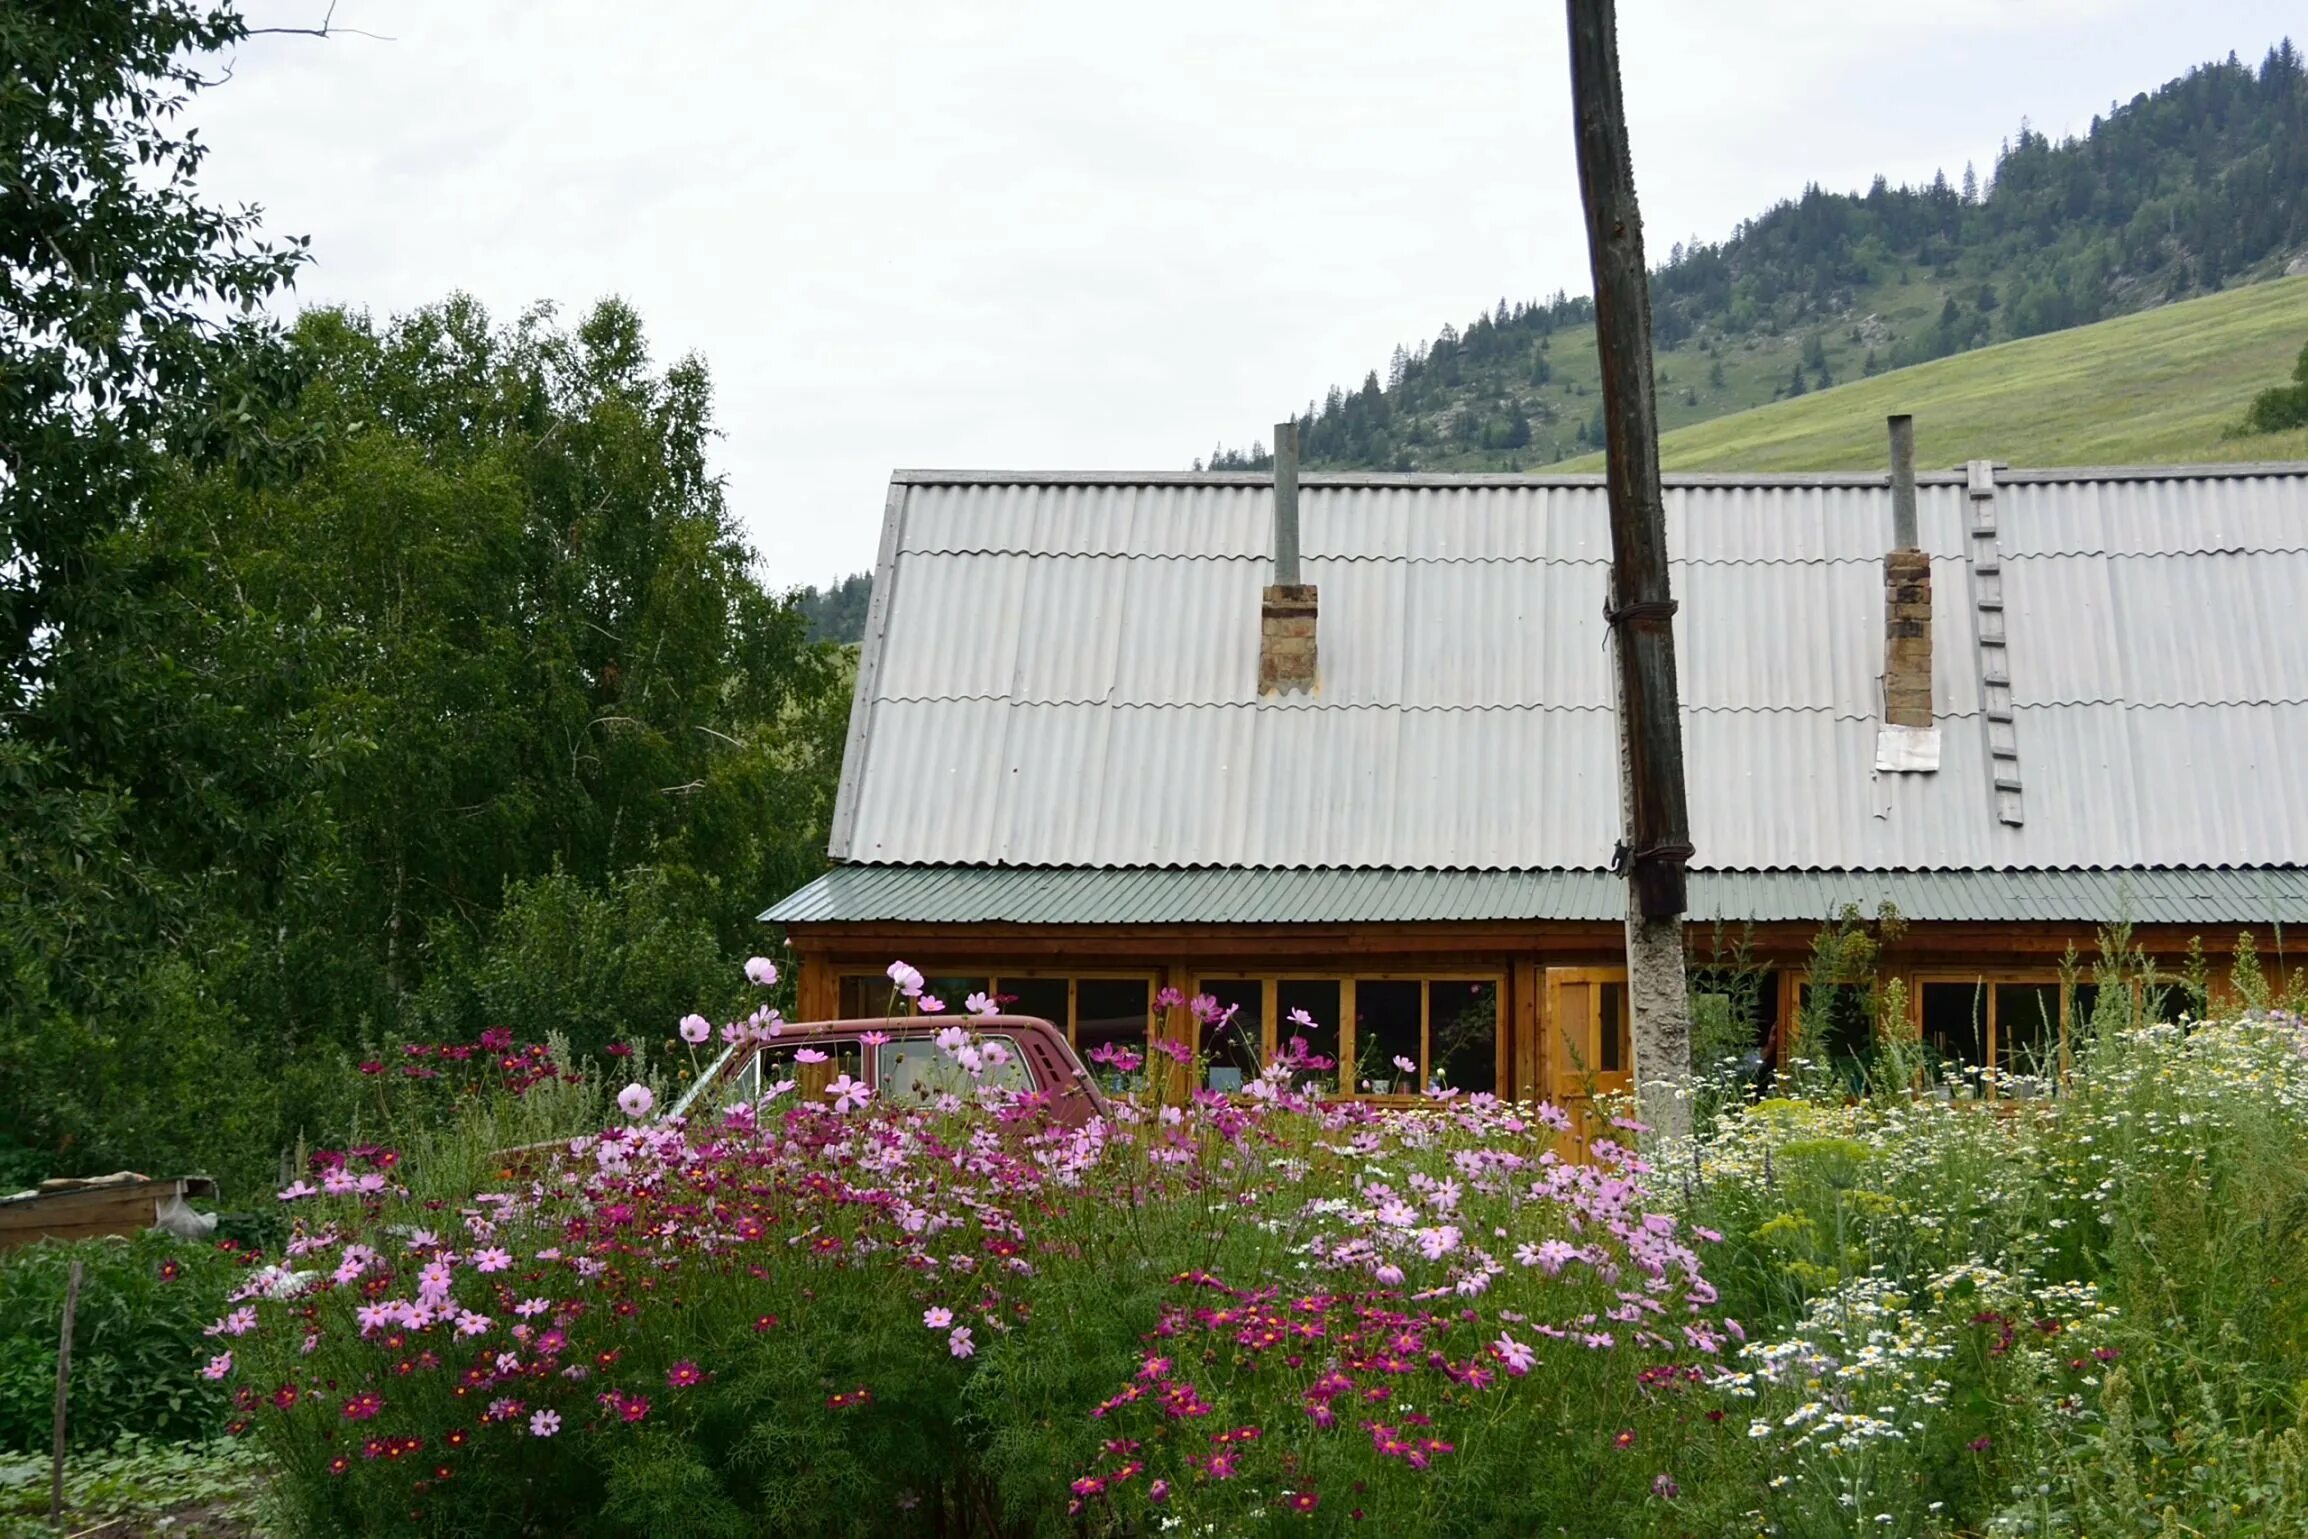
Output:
[[1985, 565]]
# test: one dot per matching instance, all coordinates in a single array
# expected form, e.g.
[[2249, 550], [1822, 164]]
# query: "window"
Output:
[[1318, 1000], [1110, 1017], [1232, 1050], [919, 1071], [1463, 1034], [1110, 1011], [2019, 1025], [1616, 1051], [1385, 1035], [1389, 1035]]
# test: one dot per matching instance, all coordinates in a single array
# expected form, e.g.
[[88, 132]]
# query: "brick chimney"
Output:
[[1906, 596], [1286, 611]]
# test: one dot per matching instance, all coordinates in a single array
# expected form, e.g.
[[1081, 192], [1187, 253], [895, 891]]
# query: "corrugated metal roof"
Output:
[[1062, 672], [1168, 895]]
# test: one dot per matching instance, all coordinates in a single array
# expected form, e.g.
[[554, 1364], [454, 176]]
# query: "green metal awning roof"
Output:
[[1147, 895]]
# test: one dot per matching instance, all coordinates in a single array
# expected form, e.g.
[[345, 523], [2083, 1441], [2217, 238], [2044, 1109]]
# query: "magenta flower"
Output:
[[683, 1374], [364, 1406], [544, 1423], [635, 1100]]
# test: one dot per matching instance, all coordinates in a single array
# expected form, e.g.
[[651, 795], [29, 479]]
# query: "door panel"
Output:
[[1589, 1047]]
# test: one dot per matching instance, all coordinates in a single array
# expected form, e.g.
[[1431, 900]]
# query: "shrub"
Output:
[[136, 1339], [845, 1318], [2050, 1316]]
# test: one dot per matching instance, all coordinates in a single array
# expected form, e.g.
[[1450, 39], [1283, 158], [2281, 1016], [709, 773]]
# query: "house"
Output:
[[1097, 752]]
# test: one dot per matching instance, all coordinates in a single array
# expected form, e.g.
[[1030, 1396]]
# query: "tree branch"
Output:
[[327, 28]]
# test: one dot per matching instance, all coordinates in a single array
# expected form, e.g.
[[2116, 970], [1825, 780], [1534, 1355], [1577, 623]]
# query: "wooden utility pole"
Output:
[[1656, 842]]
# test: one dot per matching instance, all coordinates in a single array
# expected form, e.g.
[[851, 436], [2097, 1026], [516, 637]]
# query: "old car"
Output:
[[900, 1061]]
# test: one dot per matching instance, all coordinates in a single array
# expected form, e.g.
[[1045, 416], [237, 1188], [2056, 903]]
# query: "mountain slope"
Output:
[[2201, 186], [2161, 387]]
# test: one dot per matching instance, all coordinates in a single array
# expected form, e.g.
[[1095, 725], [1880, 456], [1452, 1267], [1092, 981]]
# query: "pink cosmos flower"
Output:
[[907, 979], [874, 1038], [635, 1100], [1301, 1018], [218, 1366], [958, 1342], [239, 1323], [695, 1029], [761, 971], [808, 1055], [1514, 1355], [937, 1319], [491, 1260], [849, 1094], [1405, 1065], [544, 1423], [297, 1190], [930, 1004], [530, 1308], [981, 1003]]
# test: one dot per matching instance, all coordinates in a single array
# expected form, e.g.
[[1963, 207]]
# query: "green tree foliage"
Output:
[[838, 612], [111, 274], [2281, 407], [471, 704]]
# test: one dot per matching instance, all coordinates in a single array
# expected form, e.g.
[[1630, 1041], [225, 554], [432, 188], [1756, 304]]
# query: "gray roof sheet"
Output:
[[1061, 671], [1169, 895]]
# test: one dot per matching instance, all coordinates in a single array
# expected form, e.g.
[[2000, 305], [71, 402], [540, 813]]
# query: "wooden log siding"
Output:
[[1518, 953]]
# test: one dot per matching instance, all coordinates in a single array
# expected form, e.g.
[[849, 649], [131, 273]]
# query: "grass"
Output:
[[2162, 386]]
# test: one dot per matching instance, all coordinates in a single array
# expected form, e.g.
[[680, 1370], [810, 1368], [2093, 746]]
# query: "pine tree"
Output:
[[1970, 183]]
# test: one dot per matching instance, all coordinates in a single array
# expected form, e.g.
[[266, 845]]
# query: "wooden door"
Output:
[[1590, 1045]]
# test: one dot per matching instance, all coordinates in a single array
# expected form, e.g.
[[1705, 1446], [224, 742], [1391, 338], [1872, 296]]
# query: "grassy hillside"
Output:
[[2198, 188], [2159, 387]]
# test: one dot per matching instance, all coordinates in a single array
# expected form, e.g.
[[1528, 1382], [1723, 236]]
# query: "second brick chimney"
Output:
[[1906, 596], [1287, 609]]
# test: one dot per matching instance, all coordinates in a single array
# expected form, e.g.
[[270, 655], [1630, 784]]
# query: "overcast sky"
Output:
[[1055, 234]]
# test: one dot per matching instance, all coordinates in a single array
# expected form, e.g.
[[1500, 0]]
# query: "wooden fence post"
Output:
[[63, 1387]]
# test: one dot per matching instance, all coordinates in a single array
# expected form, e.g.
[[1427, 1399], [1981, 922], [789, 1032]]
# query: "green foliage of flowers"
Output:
[[136, 1340], [814, 1316], [2074, 1314], [138, 1486]]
